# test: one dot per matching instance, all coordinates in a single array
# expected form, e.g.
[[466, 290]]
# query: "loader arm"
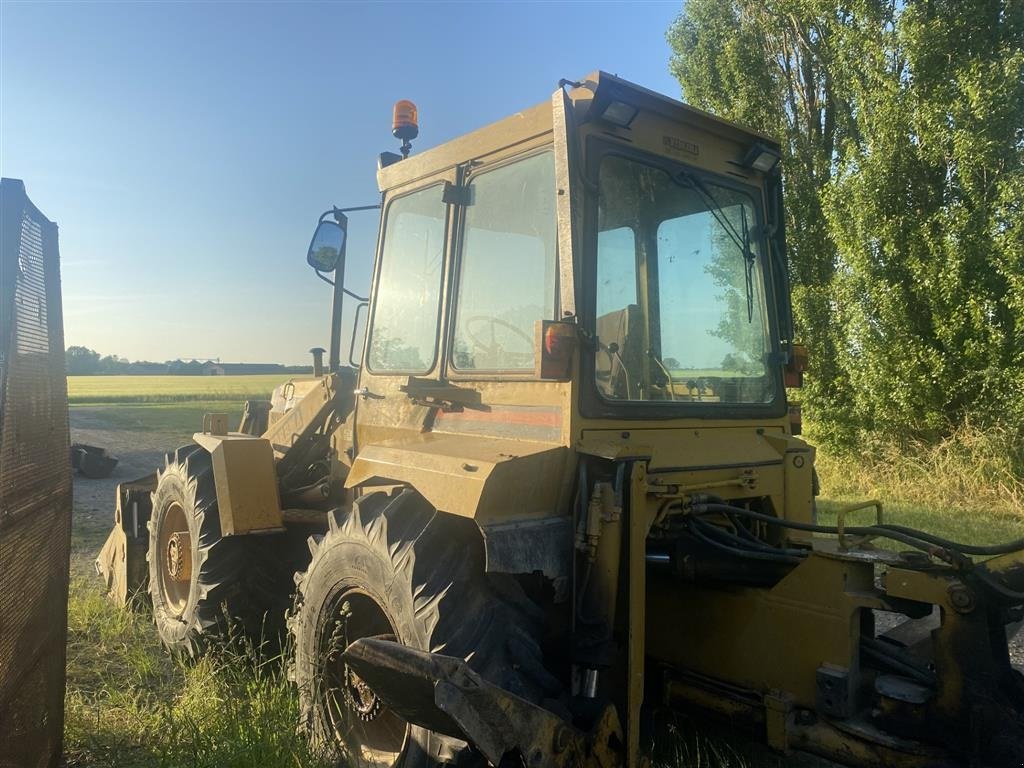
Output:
[[444, 695]]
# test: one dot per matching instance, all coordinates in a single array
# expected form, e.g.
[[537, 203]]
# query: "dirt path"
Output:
[[139, 452]]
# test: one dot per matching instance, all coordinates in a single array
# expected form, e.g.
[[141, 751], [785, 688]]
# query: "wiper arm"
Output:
[[748, 272], [687, 179]]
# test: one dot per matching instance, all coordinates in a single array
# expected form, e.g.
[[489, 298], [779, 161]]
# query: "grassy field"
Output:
[[182, 418], [128, 704], [967, 488], [169, 389]]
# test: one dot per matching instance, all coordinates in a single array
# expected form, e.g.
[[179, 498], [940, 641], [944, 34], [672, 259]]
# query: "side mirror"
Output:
[[326, 247]]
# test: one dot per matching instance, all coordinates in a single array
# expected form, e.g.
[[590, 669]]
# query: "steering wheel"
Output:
[[493, 346]]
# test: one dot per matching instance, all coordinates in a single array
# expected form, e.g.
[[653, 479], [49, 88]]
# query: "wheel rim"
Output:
[[370, 732], [174, 552]]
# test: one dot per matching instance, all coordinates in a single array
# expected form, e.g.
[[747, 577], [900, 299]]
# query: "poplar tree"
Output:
[[903, 132]]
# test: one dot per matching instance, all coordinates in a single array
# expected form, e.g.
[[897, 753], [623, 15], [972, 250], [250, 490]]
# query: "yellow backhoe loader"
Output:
[[560, 488]]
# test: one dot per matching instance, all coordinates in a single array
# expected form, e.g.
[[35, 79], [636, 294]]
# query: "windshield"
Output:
[[681, 310]]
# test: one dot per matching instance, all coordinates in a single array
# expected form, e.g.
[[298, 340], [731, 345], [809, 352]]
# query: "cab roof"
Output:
[[594, 91]]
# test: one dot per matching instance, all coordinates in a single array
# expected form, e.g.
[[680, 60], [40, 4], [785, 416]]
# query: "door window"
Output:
[[507, 270], [405, 318]]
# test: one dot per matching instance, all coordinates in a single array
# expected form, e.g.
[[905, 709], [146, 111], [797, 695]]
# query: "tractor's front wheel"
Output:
[[204, 585], [398, 569]]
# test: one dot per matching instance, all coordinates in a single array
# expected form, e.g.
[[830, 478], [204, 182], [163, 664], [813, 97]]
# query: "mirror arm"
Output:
[[338, 214], [334, 211], [334, 361], [355, 296]]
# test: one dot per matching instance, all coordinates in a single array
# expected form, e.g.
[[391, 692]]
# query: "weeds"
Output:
[[680, 742], [972, 470], [128, 704], [686, 747]]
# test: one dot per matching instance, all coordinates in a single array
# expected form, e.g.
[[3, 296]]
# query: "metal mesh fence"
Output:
[[35, 486]]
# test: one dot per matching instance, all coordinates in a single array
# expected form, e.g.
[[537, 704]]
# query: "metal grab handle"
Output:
[[850, 542], [365, 393]]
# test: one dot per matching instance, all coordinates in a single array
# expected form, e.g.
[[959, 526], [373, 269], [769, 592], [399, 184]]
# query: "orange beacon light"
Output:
[[405, 124]]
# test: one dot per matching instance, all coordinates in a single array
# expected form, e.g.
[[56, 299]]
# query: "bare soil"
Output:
[[139, 452]]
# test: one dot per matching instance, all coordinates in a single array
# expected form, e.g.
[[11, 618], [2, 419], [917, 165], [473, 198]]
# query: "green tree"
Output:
[[903, 131], [81, 361], [112, 365]]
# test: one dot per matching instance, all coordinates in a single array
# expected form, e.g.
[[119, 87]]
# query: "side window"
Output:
[[507, 269], [403, 336]]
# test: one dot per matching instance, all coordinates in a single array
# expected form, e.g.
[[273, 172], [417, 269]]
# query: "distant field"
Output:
[[169, 389]]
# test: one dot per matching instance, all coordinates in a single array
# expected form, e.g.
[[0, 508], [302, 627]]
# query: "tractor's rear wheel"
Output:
[[204, 585], [396, 568]]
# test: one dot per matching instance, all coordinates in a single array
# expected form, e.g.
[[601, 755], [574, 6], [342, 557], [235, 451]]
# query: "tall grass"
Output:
[[682, 742], [128, 704], [973, 469]]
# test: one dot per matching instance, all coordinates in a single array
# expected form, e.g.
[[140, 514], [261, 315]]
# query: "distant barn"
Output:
[[241, 369]]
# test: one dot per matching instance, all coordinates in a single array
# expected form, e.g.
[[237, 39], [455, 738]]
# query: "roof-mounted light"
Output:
[[405, 124], [761, 158], [619, 113]]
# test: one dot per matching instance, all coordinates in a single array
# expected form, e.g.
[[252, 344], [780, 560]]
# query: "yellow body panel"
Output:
[[246, 481], [748, 636], [489, 479]]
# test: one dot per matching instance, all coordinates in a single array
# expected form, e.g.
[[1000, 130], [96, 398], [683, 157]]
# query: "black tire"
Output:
[[237, 584], [405, 570]]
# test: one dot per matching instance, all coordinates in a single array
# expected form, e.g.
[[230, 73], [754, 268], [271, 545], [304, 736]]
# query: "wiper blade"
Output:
[[741, 241], [687, 179], [748, 272]]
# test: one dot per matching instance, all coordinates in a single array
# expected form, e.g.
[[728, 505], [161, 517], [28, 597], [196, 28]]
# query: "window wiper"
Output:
[[740, 240], [748, 272]]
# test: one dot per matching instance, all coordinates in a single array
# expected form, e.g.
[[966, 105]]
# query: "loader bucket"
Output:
[[122, 560]]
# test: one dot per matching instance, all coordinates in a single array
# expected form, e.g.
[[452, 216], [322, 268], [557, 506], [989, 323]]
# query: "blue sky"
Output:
[[186, 149]]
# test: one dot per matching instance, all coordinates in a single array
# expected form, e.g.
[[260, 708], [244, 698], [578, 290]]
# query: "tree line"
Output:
[[82, 361], [902, 125]]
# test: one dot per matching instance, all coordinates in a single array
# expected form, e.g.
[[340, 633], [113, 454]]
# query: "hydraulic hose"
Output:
[[953, 552], [695, 529], [967, 549], [913, 540], [745, 543]]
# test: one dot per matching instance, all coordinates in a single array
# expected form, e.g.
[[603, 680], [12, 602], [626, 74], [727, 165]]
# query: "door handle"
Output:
[[366, 394]]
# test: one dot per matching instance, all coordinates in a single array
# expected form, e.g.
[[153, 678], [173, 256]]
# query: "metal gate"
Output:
[[35, 486]]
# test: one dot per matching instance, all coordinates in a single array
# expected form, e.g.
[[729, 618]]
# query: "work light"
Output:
[[761, 158], [619, 113]]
